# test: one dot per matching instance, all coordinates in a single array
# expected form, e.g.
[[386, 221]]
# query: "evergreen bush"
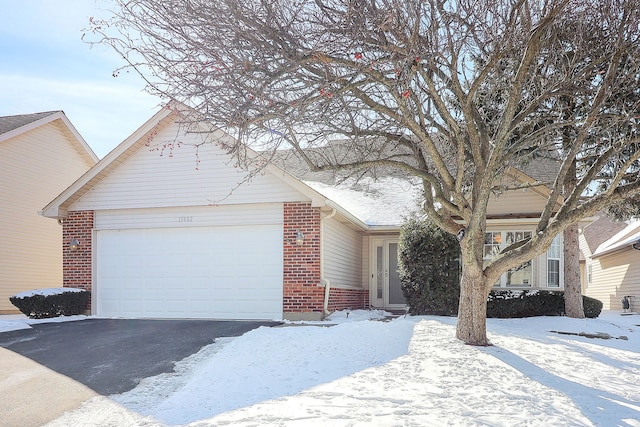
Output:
[[45, 303], [429, 269]]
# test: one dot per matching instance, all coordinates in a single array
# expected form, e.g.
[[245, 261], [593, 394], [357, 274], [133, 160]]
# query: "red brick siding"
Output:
[[76, 265], [354, 299], [302, 290]]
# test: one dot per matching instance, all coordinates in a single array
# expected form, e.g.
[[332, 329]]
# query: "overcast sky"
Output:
[[45, 66]]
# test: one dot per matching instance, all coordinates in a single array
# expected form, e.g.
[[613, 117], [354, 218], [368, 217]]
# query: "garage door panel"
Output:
[[208, 272]]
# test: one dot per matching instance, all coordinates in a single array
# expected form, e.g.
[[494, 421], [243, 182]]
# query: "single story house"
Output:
[[167, 226], [40, 155], [611, 253]]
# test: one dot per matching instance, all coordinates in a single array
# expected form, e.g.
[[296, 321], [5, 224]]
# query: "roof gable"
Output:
[[12, 126], [165, 164]]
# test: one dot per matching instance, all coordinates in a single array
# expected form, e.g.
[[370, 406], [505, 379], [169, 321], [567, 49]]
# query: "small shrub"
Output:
[[45, 303], [514, 304], [592, 307], [509, 304]]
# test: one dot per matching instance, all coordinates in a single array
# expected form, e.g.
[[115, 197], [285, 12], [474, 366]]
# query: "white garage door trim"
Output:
[[223, 272]]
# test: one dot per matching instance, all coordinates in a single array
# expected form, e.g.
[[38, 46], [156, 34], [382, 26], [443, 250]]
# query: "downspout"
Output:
[[323, 279]]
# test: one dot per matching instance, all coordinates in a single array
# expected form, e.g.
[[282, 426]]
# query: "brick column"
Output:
[[303, 296], [76, 265]]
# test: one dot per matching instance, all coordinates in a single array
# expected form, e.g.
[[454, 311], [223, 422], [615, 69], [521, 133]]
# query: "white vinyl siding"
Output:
[[35, 166], [195, 216], [182, 176], [342, 254], [614, 276], [366, 271], [527, 201]]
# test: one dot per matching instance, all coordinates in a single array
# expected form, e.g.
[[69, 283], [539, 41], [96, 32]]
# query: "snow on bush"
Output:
[[51, 302]]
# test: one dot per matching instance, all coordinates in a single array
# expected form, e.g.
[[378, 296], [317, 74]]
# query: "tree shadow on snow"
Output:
[[600, 407]]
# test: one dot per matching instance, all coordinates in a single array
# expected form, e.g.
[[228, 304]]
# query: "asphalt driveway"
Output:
[[112, 355]]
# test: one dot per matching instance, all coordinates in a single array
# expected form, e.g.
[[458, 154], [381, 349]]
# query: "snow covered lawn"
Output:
[[407, 372]]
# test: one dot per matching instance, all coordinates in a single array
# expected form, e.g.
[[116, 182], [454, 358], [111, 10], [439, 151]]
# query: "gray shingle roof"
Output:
[[9, 123], [601, 230], [540, 168]]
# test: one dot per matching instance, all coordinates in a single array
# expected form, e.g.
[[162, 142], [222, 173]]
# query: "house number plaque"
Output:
[[185, 219]]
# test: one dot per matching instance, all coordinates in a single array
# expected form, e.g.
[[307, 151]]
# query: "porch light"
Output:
[[636, 245], [74, 244], [299, 238]]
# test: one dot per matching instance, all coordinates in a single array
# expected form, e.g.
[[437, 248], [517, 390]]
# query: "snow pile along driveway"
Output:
[[369, 373], [269, 363]]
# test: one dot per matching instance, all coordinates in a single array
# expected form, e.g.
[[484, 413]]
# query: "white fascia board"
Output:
[[79, 138], [611, 245], [385, 228]]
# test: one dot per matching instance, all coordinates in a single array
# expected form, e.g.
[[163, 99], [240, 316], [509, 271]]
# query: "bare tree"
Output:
[[452, 92]]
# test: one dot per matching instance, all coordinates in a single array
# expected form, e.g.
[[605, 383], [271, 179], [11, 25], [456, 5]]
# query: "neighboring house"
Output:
[[40, 155], [168, 227], [612, 265]]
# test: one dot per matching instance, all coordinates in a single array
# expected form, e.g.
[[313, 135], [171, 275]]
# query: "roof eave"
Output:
[[617, 247]]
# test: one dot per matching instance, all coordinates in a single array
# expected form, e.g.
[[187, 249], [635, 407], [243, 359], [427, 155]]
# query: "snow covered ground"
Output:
[[405, 372]]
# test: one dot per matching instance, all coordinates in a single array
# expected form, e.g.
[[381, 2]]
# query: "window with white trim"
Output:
[[554, 254]]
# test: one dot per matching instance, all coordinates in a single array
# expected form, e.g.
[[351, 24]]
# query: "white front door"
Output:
[[386, 289]]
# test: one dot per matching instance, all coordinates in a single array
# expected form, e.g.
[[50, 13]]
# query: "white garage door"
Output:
[[198, 272]]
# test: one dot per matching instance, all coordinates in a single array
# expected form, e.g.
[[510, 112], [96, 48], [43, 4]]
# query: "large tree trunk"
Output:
[[572, 288], [573, 306], [472, 310]]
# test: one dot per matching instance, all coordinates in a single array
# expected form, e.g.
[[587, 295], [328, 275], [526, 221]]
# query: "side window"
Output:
[[553, 263]]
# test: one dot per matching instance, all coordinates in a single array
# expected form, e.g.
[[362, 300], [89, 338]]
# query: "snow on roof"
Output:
[[384, 201], [624, 238]]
